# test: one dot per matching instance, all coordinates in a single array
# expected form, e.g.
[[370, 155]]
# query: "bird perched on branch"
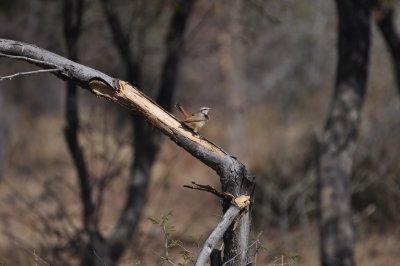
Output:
[[194, 121]]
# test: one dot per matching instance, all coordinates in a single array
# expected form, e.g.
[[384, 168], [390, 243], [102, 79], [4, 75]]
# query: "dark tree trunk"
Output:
[[236, 240], [338, 141], [146, 142], [174, 50], [73, 11], [73, 16], [145, 151], [385, 21]]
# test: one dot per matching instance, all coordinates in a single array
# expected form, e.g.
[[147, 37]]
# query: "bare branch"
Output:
[[45, 59], [233, 174], [217, 234], [31, 60], [122, 93], [9, 77], [120, 36]]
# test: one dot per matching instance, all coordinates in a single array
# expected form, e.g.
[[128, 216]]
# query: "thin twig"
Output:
[[208, 188], [28, 59], [131, 98], [9, 77], [166, 246], [258, 247]]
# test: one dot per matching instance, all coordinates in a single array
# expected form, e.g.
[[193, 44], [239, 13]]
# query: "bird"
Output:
[[194, 121]]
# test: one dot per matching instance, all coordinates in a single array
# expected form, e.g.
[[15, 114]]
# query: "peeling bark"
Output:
[[233, 174]]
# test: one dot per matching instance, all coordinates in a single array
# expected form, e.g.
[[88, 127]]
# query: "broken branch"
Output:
[[233, 175], [206, 188]]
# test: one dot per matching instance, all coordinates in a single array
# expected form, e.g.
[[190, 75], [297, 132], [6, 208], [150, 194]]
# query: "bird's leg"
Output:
[[196, 132]]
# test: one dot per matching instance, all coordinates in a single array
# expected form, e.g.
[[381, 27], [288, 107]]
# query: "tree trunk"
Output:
[[146, 142], [73, 16], [236, 241], [338, 141], [233, 174]]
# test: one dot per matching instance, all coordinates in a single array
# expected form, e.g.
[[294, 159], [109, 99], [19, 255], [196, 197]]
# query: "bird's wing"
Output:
[[194, 118]]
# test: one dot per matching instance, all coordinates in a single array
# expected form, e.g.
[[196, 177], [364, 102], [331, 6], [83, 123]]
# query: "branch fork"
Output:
[[238, 206], [242, 201], [234, 177]]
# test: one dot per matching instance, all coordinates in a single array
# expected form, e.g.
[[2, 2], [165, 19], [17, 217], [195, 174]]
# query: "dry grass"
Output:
[[194, 213]]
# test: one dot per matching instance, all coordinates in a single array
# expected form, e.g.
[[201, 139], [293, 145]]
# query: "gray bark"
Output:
[[146, 142], [339, 137], [233, 175], [68, 70]]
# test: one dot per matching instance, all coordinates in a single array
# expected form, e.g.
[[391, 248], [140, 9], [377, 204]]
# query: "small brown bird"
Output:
[[194, 121]]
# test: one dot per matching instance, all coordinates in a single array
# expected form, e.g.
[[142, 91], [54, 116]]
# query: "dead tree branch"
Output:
[[338, 140], [217, 234], [233, 175], [69, 70], [28, 73], [31, 60], [238, 204]]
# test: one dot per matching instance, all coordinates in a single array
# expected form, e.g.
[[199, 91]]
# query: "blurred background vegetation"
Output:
[[267, 70]]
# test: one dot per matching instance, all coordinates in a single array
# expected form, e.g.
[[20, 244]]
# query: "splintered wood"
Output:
[[242, 201], [129, 96]]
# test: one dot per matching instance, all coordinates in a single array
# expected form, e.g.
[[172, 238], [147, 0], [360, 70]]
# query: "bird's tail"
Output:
[[183, 111]]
